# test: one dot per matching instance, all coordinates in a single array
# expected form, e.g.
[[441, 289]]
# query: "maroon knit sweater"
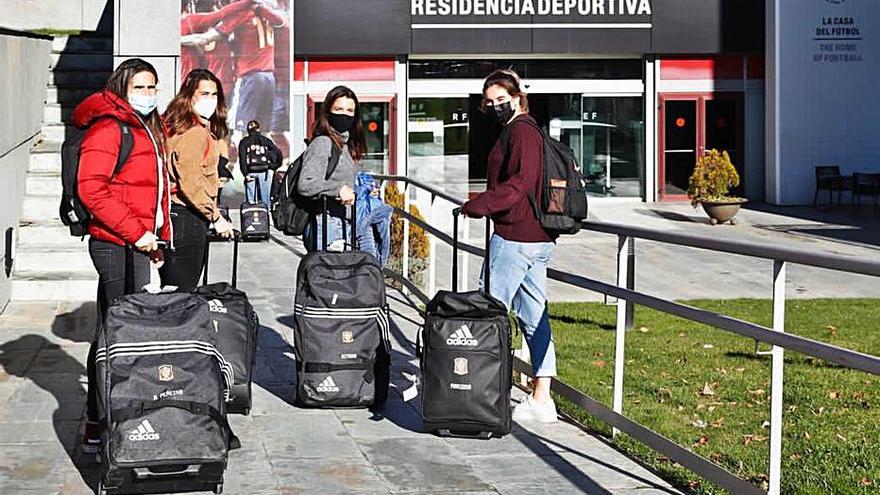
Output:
[[506, 199]]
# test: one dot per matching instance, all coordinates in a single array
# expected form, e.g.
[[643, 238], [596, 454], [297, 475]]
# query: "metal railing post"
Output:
[[464, 255], [405, 256], [624, 244], [631, 281], [776, 385], [432, 251]]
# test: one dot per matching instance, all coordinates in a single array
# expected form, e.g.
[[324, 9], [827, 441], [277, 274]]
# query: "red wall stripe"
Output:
[[351, 70], [725, 67]]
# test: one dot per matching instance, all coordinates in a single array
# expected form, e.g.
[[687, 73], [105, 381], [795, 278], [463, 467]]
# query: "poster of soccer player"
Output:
[[246, 44]]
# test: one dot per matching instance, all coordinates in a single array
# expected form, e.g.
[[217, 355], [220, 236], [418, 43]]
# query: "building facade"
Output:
[[637, 88]]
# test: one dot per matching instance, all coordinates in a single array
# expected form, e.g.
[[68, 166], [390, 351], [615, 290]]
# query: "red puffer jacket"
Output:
[[123, 206]]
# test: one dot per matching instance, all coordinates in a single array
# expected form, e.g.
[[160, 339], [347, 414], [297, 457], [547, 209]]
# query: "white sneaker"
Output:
[[531, 410]]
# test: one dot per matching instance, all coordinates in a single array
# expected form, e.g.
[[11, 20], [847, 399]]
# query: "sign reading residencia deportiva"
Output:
[[530, 7]]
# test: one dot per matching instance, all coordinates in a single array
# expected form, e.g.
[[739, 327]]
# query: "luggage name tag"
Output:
[[413, 391]]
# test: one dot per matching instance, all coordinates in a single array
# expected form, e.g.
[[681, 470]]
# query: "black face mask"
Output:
[[503, 112], [340, 122]]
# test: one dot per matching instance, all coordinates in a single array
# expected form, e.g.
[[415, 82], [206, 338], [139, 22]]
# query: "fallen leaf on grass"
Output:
[[711, 408], [832, 328], [739, 370], [795, 457], [708, 346], [707, 390], [702, 441], [840, 437], [699, 423], [757, 393], [833, 395], [599, 364], [747, 439], [866, 482], [806, 436], [765, 424], [644, 329], [718, 423]]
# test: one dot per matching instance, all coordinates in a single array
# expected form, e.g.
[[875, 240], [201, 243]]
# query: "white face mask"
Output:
[[144, 104], [205, 107]]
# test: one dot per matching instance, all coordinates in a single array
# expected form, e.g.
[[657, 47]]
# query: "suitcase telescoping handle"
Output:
[[236, 238], [354, 245], [456, 212]]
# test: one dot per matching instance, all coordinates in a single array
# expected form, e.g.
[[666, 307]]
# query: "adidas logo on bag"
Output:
[[216, 306], [328, 385], [143, 432], [462, 336]]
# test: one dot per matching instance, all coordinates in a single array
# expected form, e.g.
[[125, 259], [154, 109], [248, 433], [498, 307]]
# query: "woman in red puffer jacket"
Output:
[[130, 209]]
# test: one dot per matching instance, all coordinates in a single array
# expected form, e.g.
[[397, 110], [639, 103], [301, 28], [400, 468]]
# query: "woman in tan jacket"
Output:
[[196, 124]]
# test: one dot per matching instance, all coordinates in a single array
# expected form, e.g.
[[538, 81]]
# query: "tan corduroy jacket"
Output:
[[194, 156]]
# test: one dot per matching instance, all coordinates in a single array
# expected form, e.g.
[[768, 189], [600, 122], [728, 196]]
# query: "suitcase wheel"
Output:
[[101, 489], [218, 488], [482, 435]]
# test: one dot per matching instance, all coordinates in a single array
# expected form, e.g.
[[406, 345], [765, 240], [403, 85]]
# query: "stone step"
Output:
[[89, 79], [43, 185], [54, 264], [55, 290], [82, 61], [40, 210], [82, 44], [55, 131], [47, 146], [67, 96], [46, 237], [53, 113], [45, 163]]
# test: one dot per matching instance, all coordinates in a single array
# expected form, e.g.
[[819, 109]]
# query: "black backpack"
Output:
[[290, 210], [72, 211], [563, 202], [259, 156]]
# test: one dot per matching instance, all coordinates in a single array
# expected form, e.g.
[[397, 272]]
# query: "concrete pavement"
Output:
[[285, 450]]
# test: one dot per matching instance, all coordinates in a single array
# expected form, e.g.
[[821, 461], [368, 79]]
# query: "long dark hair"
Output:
[[118, 85], [357, 142], [510, 81], [180, 116]]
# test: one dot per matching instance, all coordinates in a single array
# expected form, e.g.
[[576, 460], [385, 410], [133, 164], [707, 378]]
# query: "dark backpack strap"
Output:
[[505, 143], [125, 146], [335, 154]]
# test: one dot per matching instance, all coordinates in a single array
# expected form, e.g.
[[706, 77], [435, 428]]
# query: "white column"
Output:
[[651, 124], [620, 331]]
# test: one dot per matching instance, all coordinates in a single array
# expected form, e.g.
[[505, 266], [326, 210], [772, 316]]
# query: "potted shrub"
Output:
[[710, 184]]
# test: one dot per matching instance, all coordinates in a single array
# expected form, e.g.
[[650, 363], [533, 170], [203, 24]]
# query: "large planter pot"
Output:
[[722, 211]]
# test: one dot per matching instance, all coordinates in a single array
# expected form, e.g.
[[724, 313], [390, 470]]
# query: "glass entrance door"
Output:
[[691, 124]]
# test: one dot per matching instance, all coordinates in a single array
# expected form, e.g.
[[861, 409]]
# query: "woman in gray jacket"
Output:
[[337, 124]]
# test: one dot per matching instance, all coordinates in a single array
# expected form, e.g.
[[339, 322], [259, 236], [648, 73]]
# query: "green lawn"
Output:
[[707, 390]]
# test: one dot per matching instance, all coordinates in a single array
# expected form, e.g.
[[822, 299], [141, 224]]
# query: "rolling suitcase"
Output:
[[237, 327], [254, 217], [162, 389], [341, 342], [466, 360]]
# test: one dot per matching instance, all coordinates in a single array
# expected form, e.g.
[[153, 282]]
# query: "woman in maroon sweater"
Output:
[[520, 249]]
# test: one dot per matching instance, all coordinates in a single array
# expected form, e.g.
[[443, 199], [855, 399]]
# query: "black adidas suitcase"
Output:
[[254, 217], [162, 386], [466, 360], [341, 342], [237, 328]]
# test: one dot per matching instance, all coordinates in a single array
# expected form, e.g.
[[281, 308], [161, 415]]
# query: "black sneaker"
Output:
[[91, 441]]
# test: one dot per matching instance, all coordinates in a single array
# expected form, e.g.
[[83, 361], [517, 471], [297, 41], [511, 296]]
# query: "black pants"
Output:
[[120, 271], [183, 266]]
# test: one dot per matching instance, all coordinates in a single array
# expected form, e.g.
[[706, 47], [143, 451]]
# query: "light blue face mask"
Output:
[[142, 103]]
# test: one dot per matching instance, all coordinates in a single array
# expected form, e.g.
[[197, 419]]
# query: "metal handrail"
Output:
[[775, 336]]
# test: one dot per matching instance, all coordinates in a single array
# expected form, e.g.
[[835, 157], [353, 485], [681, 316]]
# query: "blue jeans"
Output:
[[519, 280], [265, 180], [312, 237]]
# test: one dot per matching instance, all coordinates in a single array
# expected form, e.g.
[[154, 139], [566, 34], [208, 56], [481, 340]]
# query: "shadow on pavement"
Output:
[[275, 370], [49, 367], [845, 224]]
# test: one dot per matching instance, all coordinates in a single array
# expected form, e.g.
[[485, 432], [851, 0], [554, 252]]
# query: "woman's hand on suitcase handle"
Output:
[[148, 243], [223, 227], [346, 195]]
